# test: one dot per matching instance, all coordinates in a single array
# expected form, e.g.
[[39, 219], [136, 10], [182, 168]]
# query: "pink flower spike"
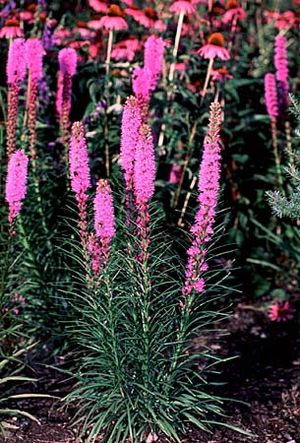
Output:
[[104, 212], [79, 161], [208, 188], [153, 58], [182, 6], [131, 122], [271, 95], [282, 71], [142, 82], [16, 183], [144, 167], [67, 58], [34, 52], [280, 59], [16, 64]]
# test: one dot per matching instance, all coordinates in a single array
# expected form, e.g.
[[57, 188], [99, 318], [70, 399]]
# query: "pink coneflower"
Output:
[[281, 311], [11, 29], [208, 187], [175, 174], [82, 29], [282, 71], [214, 47], [148, 18], [182, 6], [80, 175], [67, 67], [15, 71], [114, 20], [234, 12], [34, 52], [126, 49], [221, 75], [99, 6], [134, 12], [144, 177], [16, 184]]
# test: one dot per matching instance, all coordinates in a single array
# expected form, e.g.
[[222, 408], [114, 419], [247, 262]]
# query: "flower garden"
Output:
[[150, 221]]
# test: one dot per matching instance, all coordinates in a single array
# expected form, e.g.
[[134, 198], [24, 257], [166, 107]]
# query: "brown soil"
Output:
[[266, 375]]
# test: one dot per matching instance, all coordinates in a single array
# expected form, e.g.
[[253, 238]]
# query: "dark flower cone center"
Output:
[[216, 39], [12, 22], [115, 11], [151, 13]]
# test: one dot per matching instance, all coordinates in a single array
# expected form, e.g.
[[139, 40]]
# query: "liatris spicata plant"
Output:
[[282, 72], [133, 338], [104, 224], [67, 68], [80, 175], [34, 52], [15, 70], [131, 123], [16, 184], [208, 188], [271, 100], [144, 177]]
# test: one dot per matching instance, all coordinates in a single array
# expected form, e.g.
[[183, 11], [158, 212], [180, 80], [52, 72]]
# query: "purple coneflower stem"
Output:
[[109, 49], [176, 45], [107, 69], [161, 137], [208, 74], [232, 32]]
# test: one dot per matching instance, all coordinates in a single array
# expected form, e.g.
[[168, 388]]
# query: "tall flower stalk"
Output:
[[131, 123], [34, 52], [271, 100], [80, 177], [145, 80], [282, 77], [15, 71], [16, 185], [67, 68], [144, 176], [202, 230], [282, 73], [104, 225]]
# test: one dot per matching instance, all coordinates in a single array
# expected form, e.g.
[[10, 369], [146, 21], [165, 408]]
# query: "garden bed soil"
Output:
[[266, 375]]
